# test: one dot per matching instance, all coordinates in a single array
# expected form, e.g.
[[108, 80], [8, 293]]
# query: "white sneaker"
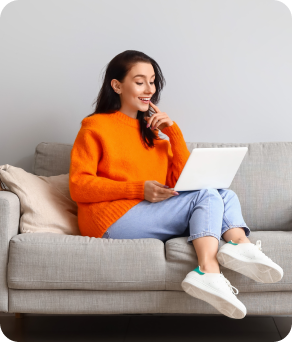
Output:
[[248, 259], [216, 290]]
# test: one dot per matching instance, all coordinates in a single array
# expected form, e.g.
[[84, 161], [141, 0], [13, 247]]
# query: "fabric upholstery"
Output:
[[263, 184], [51, 159], [263, 181], [54, 261], [144, 275], [84, 263], [181, 258], [9, 223], [139, 302]]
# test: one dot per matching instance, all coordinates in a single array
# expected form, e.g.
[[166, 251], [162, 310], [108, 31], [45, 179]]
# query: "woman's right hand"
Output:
[[156, 192]]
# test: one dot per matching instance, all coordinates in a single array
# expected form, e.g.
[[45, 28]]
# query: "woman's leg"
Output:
[[205, 229], [170, 218], [245, 257], [206, 248], [233, 226]]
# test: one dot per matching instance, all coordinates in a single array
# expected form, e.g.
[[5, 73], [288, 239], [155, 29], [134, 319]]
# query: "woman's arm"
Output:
[[85, 185], [178, 153]]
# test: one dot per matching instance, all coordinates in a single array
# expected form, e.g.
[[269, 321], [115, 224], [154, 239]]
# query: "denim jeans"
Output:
[[197, 213]]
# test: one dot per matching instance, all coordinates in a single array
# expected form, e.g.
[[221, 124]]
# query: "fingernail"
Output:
[[147, 125], [166, 186]]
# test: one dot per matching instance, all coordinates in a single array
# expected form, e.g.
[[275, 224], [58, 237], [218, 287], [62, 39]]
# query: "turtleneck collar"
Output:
[[127, 119]]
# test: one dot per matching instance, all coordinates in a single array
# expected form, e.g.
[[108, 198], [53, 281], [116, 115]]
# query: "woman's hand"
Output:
[[158, 120], [156, 192]]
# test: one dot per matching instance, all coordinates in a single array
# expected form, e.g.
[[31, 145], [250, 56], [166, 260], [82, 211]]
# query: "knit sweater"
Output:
[[110, 164]]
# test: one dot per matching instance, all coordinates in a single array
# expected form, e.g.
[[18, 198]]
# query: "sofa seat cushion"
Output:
[[181, 258], [52, 261]]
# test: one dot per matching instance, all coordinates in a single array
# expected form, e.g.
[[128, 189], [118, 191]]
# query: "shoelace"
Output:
[[231, 287], [259, 246]]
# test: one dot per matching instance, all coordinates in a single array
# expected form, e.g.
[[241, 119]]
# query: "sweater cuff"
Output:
[[135, 189], [173, 132]]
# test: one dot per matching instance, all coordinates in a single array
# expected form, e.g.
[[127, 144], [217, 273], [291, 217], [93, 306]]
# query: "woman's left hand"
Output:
[[159, 119]]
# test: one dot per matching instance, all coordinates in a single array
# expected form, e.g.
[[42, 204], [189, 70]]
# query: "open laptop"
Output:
[[210, 168]]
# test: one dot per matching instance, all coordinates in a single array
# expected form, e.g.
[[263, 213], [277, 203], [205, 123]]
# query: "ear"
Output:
[[115, 85]]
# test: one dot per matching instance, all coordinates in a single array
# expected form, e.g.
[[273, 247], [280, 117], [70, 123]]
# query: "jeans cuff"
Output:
[[195, 236], [244, 226]]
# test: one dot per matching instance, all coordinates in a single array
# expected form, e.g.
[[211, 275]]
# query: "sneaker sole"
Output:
[[257, 271], [204, 292]]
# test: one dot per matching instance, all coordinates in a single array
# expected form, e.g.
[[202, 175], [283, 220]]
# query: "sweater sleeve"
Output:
[[178, 153], [85, 185]]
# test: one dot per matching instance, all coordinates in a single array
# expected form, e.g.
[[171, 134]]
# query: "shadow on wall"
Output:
[[25, 163]]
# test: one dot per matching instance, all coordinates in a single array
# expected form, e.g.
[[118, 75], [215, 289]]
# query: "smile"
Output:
[[144, 99]]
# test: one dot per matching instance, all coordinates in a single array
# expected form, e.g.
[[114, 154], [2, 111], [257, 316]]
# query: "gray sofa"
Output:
[[67, 274]]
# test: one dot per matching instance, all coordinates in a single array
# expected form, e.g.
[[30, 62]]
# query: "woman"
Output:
[[120, 178]]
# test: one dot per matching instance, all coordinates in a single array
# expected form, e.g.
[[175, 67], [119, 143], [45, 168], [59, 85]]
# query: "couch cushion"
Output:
[[263, 181], [51, 159], [181, 258], [263, 184], [53, 261]]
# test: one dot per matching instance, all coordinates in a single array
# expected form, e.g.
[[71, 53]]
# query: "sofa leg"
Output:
[[18, 315]]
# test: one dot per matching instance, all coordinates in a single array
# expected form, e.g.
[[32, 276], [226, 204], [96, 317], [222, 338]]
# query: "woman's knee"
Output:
[[213, 194], [210, 192], [224, 192]]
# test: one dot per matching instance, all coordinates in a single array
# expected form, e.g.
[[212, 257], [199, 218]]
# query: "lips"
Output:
[[143, 100]]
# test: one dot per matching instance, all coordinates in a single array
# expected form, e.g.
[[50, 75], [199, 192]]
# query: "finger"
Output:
[[155, 119], [154, 107], [151, 119], [165, 192], [158, 123], [160, 185]]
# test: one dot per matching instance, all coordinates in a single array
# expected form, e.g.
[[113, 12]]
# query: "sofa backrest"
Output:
[[263, 182]]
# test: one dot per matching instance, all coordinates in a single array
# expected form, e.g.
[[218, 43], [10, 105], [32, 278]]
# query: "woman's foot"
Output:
[[248, 259], [216, 290]]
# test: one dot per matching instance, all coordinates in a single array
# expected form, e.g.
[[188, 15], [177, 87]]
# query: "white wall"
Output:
[[227, 64]]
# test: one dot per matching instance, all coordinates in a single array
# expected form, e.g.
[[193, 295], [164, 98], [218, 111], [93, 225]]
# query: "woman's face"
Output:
[[137, 85]]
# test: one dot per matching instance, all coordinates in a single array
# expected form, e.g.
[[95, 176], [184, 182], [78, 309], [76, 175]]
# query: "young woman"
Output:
[[120, 177]]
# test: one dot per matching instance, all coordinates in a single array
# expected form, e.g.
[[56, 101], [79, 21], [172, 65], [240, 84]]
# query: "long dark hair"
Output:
[[108, 101]]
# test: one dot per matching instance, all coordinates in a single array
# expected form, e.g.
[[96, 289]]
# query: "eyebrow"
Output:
[[142, 76]]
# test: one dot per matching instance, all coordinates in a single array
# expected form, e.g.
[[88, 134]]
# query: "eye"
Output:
[[142, 83]]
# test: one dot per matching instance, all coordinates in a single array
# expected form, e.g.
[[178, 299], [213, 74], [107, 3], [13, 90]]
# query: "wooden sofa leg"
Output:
[[18, 315]]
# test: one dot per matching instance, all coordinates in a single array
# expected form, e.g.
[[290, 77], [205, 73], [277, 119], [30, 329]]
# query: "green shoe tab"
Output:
[[232, 243], [198, 270]]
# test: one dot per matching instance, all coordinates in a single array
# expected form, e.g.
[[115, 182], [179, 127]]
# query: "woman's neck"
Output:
[[131, 113]]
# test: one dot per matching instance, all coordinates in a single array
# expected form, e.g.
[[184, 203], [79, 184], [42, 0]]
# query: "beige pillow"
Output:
[[45, 202]]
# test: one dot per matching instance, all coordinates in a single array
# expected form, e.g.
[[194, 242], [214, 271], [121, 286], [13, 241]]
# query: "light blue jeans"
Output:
[[197, 213]]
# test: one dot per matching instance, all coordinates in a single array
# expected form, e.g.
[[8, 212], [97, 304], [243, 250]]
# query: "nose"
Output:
[[148, 90]]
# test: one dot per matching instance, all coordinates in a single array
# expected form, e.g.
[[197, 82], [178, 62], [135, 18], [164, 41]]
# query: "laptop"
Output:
[[210, 168]]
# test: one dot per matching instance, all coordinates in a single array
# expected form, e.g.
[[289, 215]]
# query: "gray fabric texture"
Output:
[[54, 261], [57, 274], [51, 159], [138, 302], [263, 182], [181, 258], [9, 227]]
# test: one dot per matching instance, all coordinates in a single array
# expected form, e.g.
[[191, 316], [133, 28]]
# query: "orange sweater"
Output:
[[109, 165]]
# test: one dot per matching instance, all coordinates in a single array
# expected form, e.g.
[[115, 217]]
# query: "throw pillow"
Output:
[[45, 202]]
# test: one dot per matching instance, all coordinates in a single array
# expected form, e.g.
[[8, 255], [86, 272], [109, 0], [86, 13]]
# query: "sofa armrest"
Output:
[[9, 227]]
